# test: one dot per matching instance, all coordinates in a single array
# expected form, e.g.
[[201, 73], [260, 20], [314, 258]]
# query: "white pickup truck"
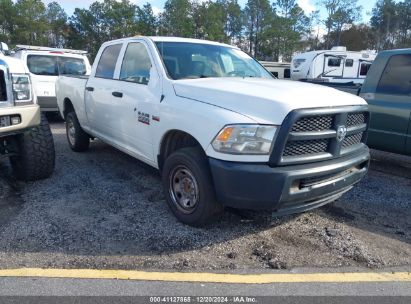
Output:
[[221, 130]]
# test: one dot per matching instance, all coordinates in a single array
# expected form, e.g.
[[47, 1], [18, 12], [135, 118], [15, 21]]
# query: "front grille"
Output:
[[314, 123], [312, 181], [351, 140], [310, 136], [355, 119], [296, 148]]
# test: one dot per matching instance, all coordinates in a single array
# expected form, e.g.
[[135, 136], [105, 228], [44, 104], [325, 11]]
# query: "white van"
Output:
[[336, 65], [45, 65]]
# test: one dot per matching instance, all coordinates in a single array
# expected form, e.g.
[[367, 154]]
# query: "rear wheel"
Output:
[[189, 188], [78, 139], [36, 155]]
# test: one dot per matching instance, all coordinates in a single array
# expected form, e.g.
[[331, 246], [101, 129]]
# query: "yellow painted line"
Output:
[[210, 277]]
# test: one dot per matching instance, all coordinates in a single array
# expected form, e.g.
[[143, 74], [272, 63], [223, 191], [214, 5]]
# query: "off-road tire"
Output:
[[36, 155], [194, 159], [81, 139]]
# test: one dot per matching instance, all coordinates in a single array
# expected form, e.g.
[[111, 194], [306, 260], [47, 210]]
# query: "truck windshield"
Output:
[[55, 65], [195, 60]]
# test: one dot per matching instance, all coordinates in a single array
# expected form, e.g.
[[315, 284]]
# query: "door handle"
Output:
[[91, 89], [117, 94]]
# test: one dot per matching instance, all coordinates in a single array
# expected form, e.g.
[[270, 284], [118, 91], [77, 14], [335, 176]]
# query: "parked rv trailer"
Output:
[[336, 65], [279, 70]]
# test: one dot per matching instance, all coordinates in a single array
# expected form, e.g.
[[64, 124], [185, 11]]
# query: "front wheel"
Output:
[[36, 155], [189, 188]]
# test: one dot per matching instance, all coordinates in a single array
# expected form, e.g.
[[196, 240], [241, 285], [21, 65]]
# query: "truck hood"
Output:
[[15, 65], [267, 101]]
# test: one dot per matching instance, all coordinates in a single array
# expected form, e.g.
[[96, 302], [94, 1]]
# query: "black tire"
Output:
[[80, 140], [36, 156], [193, 161]]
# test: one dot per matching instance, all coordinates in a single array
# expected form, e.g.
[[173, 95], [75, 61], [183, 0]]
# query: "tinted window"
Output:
[[72, 66], [136, 64], [334, 62], [42, 65], [364, 67], [108, 60], [197, 60], [55, 65], [349, 63], [396, 78]]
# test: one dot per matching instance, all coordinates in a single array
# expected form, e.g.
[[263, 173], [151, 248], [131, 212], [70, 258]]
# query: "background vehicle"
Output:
[[44, 66], [336, 65], [387, 89], [25, 136], [280, 70], [217, 125]]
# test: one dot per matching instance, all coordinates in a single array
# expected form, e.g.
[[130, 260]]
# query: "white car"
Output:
[[45, 65], [221, 130]]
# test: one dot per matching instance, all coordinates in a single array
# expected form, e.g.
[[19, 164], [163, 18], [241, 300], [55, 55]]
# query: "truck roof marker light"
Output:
[[225, 134], [56, 52]]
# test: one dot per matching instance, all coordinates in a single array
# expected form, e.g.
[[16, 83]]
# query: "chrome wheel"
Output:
[[183, 189], [71, 132]]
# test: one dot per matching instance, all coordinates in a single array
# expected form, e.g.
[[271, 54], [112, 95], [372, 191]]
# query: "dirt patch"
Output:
[[104, 209]]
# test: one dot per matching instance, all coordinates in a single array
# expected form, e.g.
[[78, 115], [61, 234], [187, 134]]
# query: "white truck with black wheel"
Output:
[[25, 136], [221, 130]]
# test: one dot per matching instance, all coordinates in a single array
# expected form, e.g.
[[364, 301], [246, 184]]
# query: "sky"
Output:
[[307, 5]]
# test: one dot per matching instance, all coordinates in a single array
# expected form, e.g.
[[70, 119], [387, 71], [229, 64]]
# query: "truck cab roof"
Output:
[[170, 39]]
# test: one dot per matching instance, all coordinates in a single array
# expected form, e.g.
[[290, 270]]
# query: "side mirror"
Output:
[[4, 47]]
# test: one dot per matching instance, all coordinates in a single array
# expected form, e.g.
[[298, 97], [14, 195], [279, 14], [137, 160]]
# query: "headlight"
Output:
[[245, 139], [21, 88]]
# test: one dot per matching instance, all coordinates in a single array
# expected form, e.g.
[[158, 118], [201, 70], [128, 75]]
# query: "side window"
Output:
[[42, 65], [108, 60], [349, 63], [334, 62], [136, 64], [396, 78], [364, 67], [71, 66]]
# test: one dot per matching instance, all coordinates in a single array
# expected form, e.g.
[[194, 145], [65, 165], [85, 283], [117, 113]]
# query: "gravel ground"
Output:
[[104, 209]]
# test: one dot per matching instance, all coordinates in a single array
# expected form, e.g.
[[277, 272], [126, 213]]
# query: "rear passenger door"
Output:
[[102, 107], [391, 106]]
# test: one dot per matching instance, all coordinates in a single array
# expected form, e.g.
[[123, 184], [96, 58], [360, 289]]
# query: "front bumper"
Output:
[[29, 115], [286, 189]]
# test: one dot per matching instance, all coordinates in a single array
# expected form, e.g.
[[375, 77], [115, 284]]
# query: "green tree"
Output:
[[146, 21], [288, 27], [232, 20], [357, 37], [118, 18], [404, 24], [87, 29], [339, 13], [30, 23], [57, 24], [177, 19], [210, 18], [7, 17], [258, 16]]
